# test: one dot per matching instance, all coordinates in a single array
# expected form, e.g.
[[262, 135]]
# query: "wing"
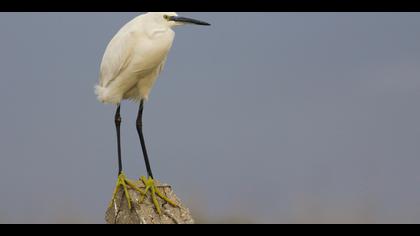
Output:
[[117, 56], [162, 65]]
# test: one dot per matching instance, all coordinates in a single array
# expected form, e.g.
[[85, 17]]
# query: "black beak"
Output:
[[187, 20]]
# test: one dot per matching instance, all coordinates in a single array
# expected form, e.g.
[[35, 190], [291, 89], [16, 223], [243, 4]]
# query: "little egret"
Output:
[[130, 66]]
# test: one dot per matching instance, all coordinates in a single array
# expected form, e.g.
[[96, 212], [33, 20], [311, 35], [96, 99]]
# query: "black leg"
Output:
[[118, 125], [139, 125]]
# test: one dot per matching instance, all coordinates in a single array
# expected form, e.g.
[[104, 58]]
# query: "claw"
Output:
[[122, 181], [150, 185]]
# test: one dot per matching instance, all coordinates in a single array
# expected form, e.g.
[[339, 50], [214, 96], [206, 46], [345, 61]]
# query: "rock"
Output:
[[145, 213]]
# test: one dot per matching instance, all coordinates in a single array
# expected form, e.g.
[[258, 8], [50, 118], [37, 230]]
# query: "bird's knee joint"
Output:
[[117, 120]]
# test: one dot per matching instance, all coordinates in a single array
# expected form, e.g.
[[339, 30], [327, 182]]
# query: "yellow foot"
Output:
[[150, 185], [122, 181]]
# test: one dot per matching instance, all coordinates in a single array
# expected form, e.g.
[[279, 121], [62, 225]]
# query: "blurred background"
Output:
[[260, 118]]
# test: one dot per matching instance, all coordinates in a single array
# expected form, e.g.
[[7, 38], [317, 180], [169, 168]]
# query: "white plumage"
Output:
[[135, 57], [130, 66]]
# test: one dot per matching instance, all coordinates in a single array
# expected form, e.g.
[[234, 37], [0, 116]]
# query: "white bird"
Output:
[[130, 66]]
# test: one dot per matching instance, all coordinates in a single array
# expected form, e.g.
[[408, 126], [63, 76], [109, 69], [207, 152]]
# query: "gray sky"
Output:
[[272, 117]]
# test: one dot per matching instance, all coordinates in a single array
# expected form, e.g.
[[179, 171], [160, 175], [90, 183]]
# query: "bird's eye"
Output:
[[166, 17]]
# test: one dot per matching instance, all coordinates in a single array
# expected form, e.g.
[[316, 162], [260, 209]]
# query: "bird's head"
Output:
[[172, 19]]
